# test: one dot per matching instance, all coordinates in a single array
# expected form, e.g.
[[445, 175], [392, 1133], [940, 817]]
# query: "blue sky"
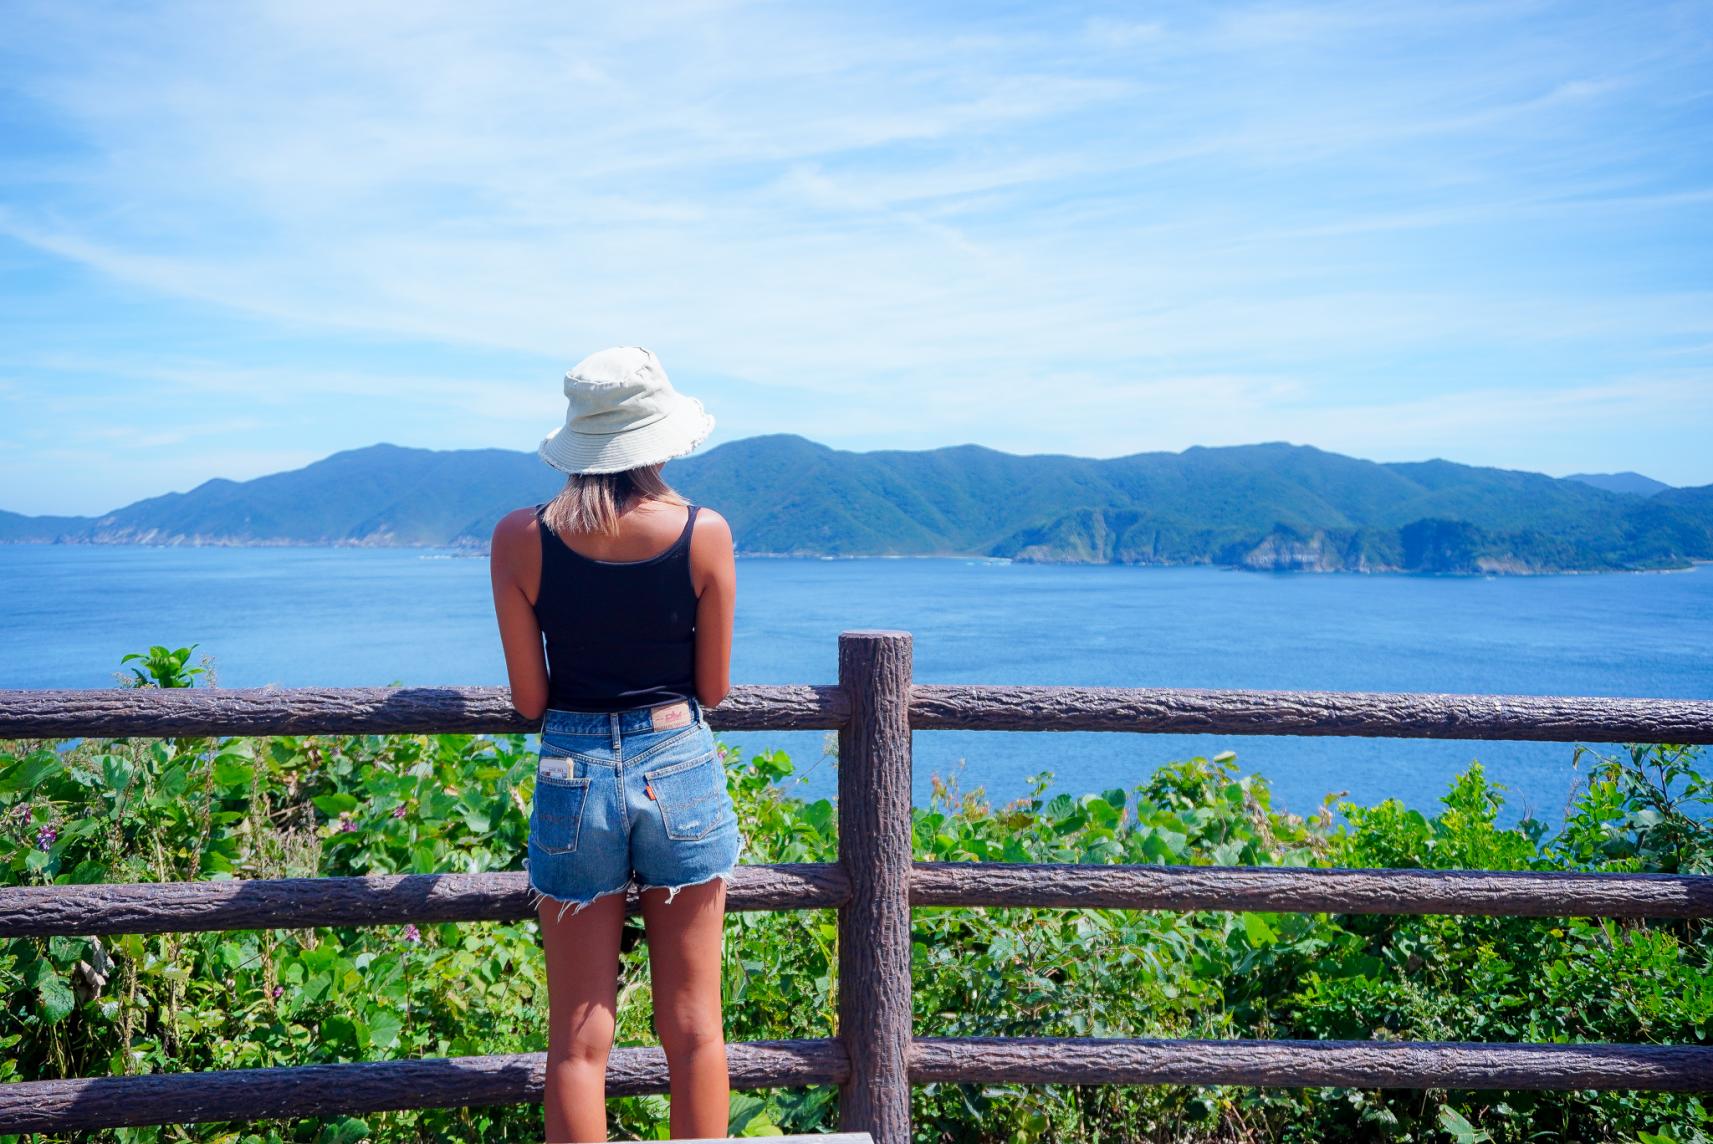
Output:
[[235, 238]]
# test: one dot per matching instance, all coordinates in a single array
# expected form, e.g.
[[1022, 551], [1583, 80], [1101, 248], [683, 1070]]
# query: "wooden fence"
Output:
[[874, 885]]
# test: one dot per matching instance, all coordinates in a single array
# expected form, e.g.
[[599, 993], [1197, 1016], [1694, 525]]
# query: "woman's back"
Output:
[[619, 632], [629, 591]]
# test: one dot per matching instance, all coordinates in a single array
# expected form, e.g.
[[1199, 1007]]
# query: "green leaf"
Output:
[[31, 773], [231, 772], [1256, 929], [1461, 1130], [333, 805], [56, 998], [384, 1028], [173, 781], [340, 1032], [88, 873], [37, 971], [116, 772], [349, 1130]]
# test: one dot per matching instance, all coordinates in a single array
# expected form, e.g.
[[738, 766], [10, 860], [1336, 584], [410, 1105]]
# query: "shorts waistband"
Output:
[[629, 721]]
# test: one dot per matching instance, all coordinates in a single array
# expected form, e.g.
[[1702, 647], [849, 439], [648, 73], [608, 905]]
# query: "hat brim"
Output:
[[674, 435]]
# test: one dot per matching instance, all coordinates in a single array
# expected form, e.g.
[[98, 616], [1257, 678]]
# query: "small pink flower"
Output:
[[411, 933], [279, 991], [45, 838], [399, 810], [347, 825]]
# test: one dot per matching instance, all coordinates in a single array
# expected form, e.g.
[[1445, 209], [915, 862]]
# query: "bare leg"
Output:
[[582, 1001], [684, 948]]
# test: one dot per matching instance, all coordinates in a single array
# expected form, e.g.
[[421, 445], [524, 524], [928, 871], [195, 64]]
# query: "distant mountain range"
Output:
[[1625, 482], [1273, 506]]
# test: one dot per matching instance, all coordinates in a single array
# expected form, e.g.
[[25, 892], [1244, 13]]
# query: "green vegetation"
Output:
[[164, 667], [283, 807], [135, 810], [1269, 506]]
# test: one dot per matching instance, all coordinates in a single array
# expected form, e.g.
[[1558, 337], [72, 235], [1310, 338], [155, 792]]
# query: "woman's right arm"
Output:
[[514, 560], [714, 575]]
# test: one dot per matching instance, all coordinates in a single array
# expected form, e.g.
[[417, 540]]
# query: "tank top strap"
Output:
[[544, 533]]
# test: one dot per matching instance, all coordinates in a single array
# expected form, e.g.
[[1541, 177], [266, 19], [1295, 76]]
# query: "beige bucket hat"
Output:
[[622, 413]]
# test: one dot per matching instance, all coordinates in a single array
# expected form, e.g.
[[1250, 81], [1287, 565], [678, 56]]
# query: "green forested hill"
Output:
[[1696, 501], [16, 527], [1271, 506], [1261, 506], [381, 495], [1625, 482]]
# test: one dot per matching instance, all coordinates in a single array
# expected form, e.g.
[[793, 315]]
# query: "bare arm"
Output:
[[713, 573], [514, 563]]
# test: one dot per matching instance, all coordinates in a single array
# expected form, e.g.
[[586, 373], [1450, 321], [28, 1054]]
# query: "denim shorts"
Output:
[[623, 796]]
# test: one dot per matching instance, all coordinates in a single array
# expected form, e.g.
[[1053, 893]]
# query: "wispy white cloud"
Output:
[[1119, 35], [849, 208], [139, 437]]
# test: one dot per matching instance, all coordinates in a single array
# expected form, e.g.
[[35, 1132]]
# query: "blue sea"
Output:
[[350, 617]]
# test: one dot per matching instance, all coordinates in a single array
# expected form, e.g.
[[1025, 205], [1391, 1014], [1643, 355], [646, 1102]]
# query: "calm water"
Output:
[[363, 617]]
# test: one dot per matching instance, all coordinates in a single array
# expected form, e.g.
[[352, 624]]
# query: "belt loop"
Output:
[[614, 717]]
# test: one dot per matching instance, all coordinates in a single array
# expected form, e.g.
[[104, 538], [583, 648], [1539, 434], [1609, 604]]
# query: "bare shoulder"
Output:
[[712, 531], [711, 546], [710, 518], [515, 530]]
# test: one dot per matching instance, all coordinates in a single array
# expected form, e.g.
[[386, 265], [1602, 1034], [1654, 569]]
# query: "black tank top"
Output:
[[620, 634]]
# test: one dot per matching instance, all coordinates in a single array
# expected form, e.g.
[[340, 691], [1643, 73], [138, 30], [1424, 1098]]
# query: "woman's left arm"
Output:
[[514, 560]]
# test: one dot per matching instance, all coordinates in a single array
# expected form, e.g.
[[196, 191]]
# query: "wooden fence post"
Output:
[[874, 848]]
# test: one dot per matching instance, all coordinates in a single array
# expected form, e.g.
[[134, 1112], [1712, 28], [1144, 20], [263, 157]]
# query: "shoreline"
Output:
[[471, 551]]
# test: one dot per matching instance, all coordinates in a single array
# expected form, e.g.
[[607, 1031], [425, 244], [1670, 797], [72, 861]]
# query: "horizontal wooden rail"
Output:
[[62, 1106], [302, 903], [115, 712], [1303, 1064], [874, 707], [343, 1089], [1386, 715], [1278, 889]]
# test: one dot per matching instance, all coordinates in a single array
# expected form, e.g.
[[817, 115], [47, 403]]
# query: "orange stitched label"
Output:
[[676, 715]]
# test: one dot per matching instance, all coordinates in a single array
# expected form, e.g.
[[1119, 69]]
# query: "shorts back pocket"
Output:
[[557, 812], [692, 797]]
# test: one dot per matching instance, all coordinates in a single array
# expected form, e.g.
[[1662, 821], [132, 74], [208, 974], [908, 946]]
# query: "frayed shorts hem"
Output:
[[672, 891], [576, 905]]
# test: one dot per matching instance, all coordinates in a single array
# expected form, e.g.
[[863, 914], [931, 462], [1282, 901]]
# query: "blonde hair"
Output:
[[592, 502]]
